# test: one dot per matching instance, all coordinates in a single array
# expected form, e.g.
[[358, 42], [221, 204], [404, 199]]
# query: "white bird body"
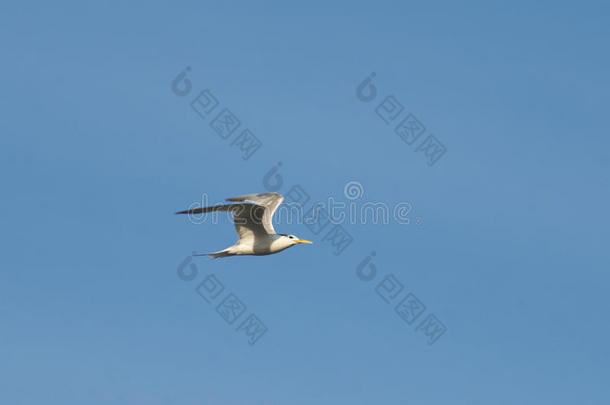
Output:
[[252, 215], [260, 246]]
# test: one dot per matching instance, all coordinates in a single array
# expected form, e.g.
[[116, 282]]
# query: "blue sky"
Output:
[[509, 251]]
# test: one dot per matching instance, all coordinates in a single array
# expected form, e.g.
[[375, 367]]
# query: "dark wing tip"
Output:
[[239, 198]]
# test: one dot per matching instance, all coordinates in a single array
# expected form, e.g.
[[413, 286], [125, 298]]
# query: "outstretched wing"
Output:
[[252, 216], [246, 217], [269, 201]]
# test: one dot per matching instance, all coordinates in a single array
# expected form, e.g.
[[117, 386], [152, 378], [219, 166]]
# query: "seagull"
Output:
[[252, 215]]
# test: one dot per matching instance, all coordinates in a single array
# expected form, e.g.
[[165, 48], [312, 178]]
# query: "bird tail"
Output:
[[216, 255]]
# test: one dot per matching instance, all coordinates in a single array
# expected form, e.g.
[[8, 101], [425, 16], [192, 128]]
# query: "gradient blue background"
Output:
[[97, 153]]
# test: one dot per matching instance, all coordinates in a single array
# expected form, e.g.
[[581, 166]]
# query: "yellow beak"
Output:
[[303, 241]]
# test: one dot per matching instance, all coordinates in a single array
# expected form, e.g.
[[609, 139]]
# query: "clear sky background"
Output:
[[510, 252]]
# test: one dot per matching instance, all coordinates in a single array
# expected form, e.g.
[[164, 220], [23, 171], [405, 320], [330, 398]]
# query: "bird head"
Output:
[[293, 240]]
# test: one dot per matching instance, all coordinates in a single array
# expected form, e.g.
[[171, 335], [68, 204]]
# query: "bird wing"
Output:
[[252, 215], [247, 218], [269, 201]]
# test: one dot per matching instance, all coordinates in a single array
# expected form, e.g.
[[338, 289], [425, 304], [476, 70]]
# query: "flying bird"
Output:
[[252, 216]]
